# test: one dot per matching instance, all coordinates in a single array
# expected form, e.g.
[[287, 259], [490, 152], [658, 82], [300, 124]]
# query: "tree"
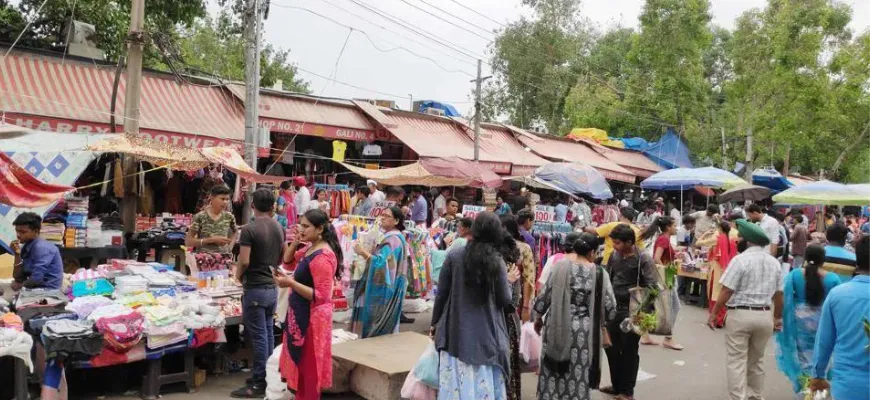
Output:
[[11, 24], [215, 46]]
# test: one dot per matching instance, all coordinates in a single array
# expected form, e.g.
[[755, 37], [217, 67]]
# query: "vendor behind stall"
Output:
[[213, 230], [37, 262]]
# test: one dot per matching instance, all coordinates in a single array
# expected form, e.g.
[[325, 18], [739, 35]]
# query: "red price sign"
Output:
[[545, 213], [472, 211], [379, 207]]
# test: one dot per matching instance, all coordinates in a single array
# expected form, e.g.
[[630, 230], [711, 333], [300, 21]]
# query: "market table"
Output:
[[695, 277], [86, 255], [159, 243]]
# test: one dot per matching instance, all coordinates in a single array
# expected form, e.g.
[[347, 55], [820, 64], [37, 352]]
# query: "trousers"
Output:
[[258, 316], [746, 337], [623, 357]]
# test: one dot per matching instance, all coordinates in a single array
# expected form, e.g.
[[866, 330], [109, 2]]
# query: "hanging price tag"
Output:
[[379, 207], [472, 211], [545, 213]]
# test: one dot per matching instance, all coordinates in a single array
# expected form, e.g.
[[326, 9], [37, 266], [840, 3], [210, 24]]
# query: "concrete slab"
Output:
[[381, 364]]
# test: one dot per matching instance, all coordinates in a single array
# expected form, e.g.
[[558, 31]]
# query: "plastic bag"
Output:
[[530, 344], [662, 304], [414, 389], [426, 369], [276, 389]]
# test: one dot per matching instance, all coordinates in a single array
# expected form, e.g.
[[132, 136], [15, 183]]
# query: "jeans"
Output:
[[622, 356], [258, 316]]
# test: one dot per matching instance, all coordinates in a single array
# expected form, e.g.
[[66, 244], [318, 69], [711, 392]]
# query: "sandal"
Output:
[[673, 346]]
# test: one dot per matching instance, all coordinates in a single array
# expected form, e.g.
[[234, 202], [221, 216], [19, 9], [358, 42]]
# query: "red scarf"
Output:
[[725, 250]]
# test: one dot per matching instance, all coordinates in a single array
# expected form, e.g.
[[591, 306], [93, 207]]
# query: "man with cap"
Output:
[[376, 195], [752, 291], [303, 196]]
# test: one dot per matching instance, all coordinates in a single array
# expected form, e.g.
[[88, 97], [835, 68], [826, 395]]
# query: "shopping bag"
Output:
[[653, 311], [530, 345], [414, 389], [276, 389], [426, 369]]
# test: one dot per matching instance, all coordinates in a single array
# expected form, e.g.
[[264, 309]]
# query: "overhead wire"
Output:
[[21, 34], [477, 12], [488, 39]]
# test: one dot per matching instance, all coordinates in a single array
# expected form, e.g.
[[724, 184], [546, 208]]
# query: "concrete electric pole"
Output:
[[749, 156], [135, 41], [477, 110], [253, 21]]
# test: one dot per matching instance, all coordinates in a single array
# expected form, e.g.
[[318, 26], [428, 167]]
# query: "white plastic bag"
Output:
[[414, 389], [530, 345], [426, 369], [275, 388]]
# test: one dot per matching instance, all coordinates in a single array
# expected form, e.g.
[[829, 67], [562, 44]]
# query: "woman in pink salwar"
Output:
[[306, 358]]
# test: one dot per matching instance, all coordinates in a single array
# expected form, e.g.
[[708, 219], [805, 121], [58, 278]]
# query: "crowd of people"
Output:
[[771, 274]]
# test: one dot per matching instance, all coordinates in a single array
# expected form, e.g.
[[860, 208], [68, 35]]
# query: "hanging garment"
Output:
[[118, 183]]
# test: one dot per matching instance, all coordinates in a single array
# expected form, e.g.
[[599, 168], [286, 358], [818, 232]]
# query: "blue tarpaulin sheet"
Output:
[[669, 152], [634, 143], [770, 179], [449, 110]]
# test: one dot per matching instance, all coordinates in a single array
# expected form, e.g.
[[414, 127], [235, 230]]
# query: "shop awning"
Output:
[[450, 171], [498, 140], [329, 118], [634, 161], [570, 151], [45, 93]]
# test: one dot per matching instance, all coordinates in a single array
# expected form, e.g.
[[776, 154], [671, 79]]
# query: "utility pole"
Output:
[[133, 88], [785, 166], [749, 156], [411, 96], [253, 21], [477, 110], [724, 159]]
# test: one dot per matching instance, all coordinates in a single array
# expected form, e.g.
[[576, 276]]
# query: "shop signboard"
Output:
[[379, 208], [472, 211], [545, 213], [325, 131]]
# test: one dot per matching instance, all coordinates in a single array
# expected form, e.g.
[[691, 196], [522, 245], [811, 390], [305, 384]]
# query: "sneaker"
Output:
[[249, 392]]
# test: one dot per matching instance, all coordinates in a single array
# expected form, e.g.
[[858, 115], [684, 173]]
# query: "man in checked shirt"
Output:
[[752, 283]]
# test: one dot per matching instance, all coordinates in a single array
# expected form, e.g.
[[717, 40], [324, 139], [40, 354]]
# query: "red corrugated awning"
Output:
[[634, 161], [570, 151], [307, 115], [498, 141], [48, 93]]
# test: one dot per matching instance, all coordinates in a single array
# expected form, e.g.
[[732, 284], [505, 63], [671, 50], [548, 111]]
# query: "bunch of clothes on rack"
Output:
[[340, 198]]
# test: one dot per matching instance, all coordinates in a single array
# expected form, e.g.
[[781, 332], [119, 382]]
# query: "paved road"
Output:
[[696, 373]]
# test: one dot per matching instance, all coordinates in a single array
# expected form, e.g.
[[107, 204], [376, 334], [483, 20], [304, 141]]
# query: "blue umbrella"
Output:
[[771, 179], [575, 178], [685, 178]]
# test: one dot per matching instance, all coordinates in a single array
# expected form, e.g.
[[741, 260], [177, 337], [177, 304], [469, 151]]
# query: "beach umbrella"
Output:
[[743, 193], [575, 178], [770, 178], [825, 193], [685, 178]]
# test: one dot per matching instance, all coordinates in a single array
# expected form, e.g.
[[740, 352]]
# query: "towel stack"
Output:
[[53, 232], [77, 222], [95, 233]]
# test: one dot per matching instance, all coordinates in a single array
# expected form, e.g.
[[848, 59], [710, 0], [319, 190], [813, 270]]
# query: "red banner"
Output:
[[69, 126], [325, 131], [20, 189]]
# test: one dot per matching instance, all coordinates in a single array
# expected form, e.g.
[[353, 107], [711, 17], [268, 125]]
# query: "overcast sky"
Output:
[[315, 42]]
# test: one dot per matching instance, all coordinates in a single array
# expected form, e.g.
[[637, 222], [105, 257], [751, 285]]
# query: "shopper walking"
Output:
[[302, 196], [663, 228], [799, 237], [804, 292], [751, 283], [577, 299], [510, 253], [628, 267], [842, 334], [721, 253], [469, 329], [526, 265], [306, 358], [261, 245]]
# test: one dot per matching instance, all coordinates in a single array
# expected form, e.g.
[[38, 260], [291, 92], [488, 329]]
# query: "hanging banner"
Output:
[[545, 213], [379, 208], [472, 211]]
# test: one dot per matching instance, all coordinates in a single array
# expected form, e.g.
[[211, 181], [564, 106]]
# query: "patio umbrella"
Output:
[[770, 178], [684, 178], [745, 193], [574, 178], [825, 193]]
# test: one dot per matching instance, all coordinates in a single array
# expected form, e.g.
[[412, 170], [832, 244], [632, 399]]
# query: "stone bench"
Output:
[[376, 367]]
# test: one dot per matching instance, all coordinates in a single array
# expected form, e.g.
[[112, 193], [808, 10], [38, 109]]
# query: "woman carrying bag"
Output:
[[577, 299]]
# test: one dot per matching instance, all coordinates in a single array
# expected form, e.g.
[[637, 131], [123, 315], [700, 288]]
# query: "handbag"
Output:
[[645, 301]]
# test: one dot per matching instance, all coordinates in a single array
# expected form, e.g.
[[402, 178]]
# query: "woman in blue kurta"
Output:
[[378, 295], [805, 291]]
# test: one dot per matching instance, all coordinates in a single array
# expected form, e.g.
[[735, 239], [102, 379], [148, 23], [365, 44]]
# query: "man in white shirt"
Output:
[[303, 196], [704, 220], [647, 217], [768, 224], [376, 195], [582, 214], [440, 204], [677, 215]]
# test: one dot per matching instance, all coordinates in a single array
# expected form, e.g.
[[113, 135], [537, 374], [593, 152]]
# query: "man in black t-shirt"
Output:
[[260, 249]]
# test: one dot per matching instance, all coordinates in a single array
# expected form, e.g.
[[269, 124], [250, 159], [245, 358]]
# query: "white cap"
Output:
[[623, 203], [371, 182]]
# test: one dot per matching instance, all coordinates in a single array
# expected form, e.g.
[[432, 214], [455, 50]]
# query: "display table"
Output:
[[87, 255], [159, 243], [690, 280]]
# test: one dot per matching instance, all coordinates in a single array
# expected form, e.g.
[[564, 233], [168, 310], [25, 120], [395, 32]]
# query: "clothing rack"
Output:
[[552, 227], [327, 186]]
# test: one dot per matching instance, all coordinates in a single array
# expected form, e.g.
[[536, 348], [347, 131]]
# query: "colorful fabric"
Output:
[[308, 369], [419, 279], [461, 381], [92, 287], [378, 296]]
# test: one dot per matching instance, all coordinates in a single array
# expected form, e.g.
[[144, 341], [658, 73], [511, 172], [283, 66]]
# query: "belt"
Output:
[[753, 308]]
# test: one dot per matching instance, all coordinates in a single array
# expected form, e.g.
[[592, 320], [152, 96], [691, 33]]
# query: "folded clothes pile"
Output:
[[92, 287], [11, 321], [122, 332], [33, 302], [15, 343], [200, 316], [130, 284], [69, 338], [137, 300], [84, 306]]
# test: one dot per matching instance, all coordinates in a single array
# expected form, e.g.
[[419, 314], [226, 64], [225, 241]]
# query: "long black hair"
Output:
[[814, 257], [508, 249], [399, 216], [658, 226], [319, 219], [511, 225], [482, 261], [585, 244], [568, 244]]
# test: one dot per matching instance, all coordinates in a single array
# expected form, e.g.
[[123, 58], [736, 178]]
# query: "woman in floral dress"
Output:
[[587, 289], [306, 358]]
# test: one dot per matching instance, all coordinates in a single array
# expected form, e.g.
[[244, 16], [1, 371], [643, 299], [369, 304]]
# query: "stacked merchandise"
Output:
[[53, 232], [77, 222], [94, 233]]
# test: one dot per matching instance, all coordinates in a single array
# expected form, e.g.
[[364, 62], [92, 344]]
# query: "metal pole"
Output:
[[253, 20], [135, 40], [478, 82]]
